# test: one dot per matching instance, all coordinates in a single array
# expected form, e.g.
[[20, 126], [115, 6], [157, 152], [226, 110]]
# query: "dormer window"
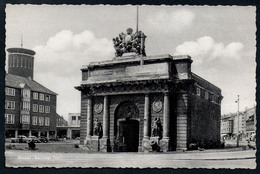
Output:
[[26, 93], [48, 97]]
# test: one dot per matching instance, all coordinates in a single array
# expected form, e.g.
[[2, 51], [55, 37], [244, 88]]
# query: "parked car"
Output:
[[43, 139], [35, 139], [19, 139]]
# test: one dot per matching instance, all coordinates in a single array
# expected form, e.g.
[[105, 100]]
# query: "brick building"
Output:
[[30, 108], [61, 121], [250, 121], [246, 124], [129, 94], [61, 127]]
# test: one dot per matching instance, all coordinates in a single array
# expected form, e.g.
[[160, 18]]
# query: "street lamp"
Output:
[[237, 120]]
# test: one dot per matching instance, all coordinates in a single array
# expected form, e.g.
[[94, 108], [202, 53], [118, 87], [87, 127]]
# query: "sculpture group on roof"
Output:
[[129, 42]]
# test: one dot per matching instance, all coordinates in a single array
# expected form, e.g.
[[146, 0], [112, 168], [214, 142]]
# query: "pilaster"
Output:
[[104, 142], [165, 142]]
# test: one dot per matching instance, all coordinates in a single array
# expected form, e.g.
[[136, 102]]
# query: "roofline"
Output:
[[52, 93], [205, 80], [21, 50], [128, 59]]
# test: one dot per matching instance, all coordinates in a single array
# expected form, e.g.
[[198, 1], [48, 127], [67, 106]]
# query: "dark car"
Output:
[[35, 139], [43, 139]]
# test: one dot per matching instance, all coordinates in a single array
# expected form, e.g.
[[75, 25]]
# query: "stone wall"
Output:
[[205, 119]]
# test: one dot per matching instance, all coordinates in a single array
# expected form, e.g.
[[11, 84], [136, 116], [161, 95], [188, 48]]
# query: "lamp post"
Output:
[[237, 120]]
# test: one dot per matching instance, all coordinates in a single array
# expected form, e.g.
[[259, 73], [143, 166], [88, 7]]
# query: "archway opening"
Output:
[[127, 127]]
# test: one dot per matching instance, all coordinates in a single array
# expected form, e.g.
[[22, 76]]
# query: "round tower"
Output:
[[21, 62]]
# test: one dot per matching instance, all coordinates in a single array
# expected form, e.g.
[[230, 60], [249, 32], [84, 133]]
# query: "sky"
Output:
[[220, 40]]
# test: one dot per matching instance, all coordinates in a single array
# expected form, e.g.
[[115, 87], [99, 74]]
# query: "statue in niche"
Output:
[[129, 42], [97, 128], [156, 127]]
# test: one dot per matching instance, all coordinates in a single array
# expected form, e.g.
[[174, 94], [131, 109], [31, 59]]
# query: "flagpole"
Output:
[[22, 41], [238, 121], [137, 18]]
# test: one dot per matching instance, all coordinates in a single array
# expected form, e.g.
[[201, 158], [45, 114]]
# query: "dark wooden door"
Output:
[[129, 135]]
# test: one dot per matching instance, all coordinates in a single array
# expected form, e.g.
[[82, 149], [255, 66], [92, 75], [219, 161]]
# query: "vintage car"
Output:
[[35, 139], [43, 139], [19, 139]]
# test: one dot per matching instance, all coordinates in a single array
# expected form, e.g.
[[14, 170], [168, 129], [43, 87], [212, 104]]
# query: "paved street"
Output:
[[205, 159]]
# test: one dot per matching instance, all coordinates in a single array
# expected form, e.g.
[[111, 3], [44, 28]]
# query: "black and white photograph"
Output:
[[130, 86]]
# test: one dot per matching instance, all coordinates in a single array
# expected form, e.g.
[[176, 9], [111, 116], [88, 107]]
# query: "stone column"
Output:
[[146, 116], [55, 133], [146, 146], [87, 142], [89, 118], [166, 116], [166, 123], [104, 142], [16, 133], [105, 118]]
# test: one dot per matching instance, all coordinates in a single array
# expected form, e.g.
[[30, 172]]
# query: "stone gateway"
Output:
[[140, 101]]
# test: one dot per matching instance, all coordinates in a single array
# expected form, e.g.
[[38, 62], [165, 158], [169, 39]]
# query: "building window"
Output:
[[206, 95], [26, 106], [73, 118], [34, 120], [47, 121], [10, 105], [41, 108], [79, 120], [35, 108], [9, 118], [48, 98], [26, 93], [47, 109], [213, 98], [41, 121], [198, 91], [10, 91], [35, 95], [41, 96], [25, 119]]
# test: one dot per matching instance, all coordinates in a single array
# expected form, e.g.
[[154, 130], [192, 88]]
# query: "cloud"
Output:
[[206, 49], [68, 52], [175, 21], [58, 63]]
